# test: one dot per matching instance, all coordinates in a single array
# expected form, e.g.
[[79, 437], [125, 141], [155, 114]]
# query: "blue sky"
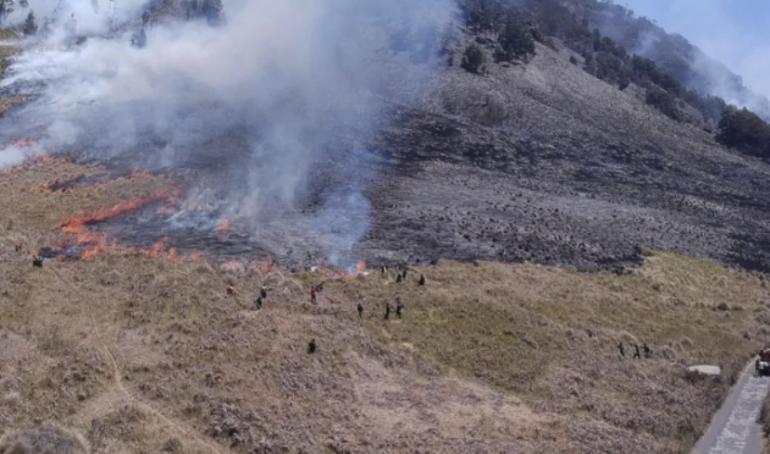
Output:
[[735, 32]]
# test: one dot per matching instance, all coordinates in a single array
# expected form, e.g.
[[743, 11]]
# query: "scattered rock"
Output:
[[705, 370]]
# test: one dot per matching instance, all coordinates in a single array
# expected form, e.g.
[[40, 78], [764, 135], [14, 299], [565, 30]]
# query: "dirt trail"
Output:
[[117, 376], [180, 429]]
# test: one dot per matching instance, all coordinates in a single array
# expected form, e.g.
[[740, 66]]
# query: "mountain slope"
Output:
[[126, 353], [542, 161], [680, 58]]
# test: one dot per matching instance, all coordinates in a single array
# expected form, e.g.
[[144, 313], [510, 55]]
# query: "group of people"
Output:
[[637, 353], [402, 274], [399, 308], [312, 346]]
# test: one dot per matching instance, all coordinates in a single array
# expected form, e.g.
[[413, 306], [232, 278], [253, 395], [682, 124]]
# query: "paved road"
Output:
[[734, 428]]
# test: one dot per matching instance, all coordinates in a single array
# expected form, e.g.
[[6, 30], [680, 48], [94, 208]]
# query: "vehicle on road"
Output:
[[762, 363]]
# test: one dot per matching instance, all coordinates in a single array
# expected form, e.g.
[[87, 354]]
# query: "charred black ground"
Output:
[[526, 162], [449, 187]]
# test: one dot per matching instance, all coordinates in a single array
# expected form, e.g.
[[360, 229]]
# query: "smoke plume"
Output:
[[731, 59], [268, 113]]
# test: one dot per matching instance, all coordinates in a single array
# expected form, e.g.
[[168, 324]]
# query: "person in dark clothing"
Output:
[[421, 282], [637, 355], [37, 262], [621, 349], [360, 309], [312, 347], [387, 311], [399, 308], [398, 278], [403, 273], [312, 295], [647, 351], [258, 302], [263, 292]]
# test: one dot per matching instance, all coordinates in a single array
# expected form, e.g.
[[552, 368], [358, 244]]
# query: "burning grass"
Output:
[[97, 243], [41, 216], [488, 357], [78, 224]]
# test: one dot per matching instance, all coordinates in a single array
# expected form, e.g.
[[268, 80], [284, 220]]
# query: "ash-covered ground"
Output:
[[543, 162], [400, 158], [538, 162]]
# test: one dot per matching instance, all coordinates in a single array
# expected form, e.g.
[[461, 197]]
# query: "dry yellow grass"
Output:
[[135, 354], [504, 322], [8, 34]]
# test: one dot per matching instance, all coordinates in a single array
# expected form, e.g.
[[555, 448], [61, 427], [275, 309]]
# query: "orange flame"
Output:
[[234, 266], [97, 243], [224, 228], [77, 225], [348, 275], [156, 250], [267, 266], [140, 173], [25, 142]]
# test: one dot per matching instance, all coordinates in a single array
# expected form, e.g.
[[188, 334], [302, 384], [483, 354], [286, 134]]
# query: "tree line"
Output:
[[7, 7], [516, 25]]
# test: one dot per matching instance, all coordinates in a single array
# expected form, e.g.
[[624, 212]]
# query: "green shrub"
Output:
[[515, 42], [665, 102], [482, 15], [473, 59], [744, 130], [30, 24]]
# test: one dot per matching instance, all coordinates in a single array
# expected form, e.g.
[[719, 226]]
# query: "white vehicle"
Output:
[[762, 364]]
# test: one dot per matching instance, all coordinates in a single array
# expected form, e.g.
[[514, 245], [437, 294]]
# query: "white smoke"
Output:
[[16, 154], [729, 43], [276, 89], [87, 16]]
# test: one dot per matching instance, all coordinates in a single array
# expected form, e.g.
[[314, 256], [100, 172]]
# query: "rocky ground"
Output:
[[544, 162], [130, 353]]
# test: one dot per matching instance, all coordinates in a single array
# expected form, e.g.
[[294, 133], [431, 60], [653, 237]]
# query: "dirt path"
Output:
[[734, 428], [180, 430], [117, 376]]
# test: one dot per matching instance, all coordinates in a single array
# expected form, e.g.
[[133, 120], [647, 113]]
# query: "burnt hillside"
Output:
[[538, 139], [537, 159]]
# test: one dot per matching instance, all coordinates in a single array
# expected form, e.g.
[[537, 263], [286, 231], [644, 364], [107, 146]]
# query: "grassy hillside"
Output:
[[129, 353]]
